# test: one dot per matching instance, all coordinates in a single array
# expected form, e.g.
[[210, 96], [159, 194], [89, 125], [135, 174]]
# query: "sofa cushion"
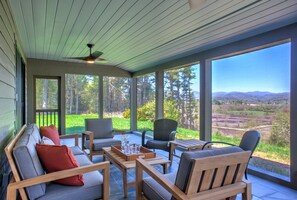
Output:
[[153, 190], [56, 158], [83, 160], [92, 189], [76, 150], [98, 144], [35, 132], [50, 132], [185, 164], [28, 163]]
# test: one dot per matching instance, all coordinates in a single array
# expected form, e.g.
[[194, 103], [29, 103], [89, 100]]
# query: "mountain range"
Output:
[[251, 97]]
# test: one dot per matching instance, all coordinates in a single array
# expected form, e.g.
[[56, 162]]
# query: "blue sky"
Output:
[[263, 70]]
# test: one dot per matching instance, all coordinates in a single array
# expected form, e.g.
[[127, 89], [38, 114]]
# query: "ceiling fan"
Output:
[[92, 57]]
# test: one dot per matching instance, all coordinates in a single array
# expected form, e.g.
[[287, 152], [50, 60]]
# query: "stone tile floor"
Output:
[[261, 189]]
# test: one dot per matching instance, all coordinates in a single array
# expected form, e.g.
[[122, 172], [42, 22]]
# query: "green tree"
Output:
[[280, 134]]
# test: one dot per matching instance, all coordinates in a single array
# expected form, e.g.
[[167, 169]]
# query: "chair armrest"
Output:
[[172, 136], [104, 166], [83, 137], [143, 136], [75, 136], [208, 143], [142, 165]]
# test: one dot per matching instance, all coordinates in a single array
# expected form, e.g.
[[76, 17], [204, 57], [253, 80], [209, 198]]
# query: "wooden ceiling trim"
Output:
[[86, 34], [123, 13], [221, 29], [86, 16]]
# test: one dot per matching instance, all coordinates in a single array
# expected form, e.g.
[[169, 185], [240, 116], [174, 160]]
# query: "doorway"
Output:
[[47, 101]]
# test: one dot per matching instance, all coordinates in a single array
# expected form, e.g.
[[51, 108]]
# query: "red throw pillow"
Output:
[[56, 158], [51, 133]]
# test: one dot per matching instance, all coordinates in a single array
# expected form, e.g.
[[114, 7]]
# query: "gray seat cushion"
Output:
[[83, 160], [98, 144], [153, 190], [157, 144], [76, 150], [92, 189], [185, 164], [28, 163]]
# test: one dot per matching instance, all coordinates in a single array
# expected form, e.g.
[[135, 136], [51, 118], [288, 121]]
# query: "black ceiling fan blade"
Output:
[[100, 60], [96, 54], [77, 58]]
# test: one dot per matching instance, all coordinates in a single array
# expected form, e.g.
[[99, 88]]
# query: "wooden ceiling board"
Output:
[[51, 10], [138, 34], [26, 9], [130, 25], [123, 13], [39, 7], [74, 12], [83, 22], [88, 33], [169, 31], [220, 30], [62, 16]]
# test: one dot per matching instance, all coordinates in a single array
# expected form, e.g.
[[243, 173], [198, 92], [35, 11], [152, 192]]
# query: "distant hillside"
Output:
[[251, 97]]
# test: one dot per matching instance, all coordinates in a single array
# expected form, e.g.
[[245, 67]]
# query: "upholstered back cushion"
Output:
[[163, 128], [102, 128], [27, 161], [187, 158]]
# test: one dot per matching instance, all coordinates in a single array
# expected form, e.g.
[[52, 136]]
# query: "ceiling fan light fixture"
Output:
[[90, 61]]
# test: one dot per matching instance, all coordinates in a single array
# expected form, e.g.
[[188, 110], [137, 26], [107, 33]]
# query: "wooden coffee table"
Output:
[[189, 145], [124, 165]]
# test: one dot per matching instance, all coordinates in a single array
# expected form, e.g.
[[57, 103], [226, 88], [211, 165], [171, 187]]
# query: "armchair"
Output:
[[164, 131], [210, 174], [98, 134], [249, 142]]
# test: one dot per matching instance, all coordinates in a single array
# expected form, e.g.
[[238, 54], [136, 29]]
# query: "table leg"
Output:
[[171, 153], [125, 183], [165, 168]]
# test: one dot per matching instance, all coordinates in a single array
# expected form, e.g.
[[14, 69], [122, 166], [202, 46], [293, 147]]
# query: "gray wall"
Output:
[[7, 86]]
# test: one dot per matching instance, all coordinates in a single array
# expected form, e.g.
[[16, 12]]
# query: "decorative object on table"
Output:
[[98, 134], [249, 142], [164, 131], [131, 153]]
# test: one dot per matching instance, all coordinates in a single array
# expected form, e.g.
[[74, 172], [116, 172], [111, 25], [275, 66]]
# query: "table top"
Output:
[[131, 164], [190, 144]]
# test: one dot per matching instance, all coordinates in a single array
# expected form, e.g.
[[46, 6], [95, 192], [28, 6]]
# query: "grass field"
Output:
[[75, 124]]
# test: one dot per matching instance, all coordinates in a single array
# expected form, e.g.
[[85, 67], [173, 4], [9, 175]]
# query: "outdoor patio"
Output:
[[261, 189]]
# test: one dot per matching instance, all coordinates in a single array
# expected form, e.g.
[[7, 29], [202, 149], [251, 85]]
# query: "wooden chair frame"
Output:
[[216, 177], [17, 184]]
